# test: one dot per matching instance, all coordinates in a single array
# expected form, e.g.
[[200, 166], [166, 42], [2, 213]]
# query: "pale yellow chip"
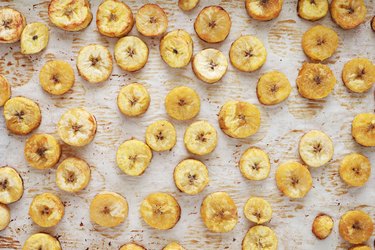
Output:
[[260, 238], [176, 48], [41, 241], [200, 138], [322, 226], [210, 65], [132, 246], [133, 99], [131, 53], [191, 176], [173, 246], [4, 216], [312, 10], [94, 63], [273, 88], [315, 148], [247, 53], [133, 157], [258, 210], [77, 127], [255, 164], [161, 136], [11, 185], [160, 211], [73, 175], [264, 10]]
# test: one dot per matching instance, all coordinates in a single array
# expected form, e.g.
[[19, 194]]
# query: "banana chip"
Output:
[[363, 129], [4, 216], [73, 175], [56, 77], [210, 65], [273, 88], [108, 209], [5, 91], [160, 211], [133, 99], [187, 5], [114, 18], [12, 23], [219, 212], [315, 148], [247, 53], [161, 136], [41, 241], [77, 127], [22, 115], [356, 226], [213, 24], [264, 10], [358, 75], [348, 14], [131, 53], [322, 226], [258, 210], [151, 20], [312, 10], [320, 42], [355, 169], [42, 151], [200, 138], [11, 185], [182, 103], [255, 164], [293, 179], [176, 48], [191, 176], [70, 15], [239, 119], [94, 63], [260, 238], [34, 38], [315, 81], [46, 210], [133, 157]]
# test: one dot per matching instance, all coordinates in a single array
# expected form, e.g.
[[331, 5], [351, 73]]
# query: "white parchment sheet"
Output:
[[281, 127]]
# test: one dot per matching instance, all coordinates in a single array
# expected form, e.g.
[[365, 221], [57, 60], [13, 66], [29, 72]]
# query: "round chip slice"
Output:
[[255, 164], [133, 157]]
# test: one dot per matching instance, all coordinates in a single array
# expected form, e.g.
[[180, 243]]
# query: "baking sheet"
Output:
[[281, 128]]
